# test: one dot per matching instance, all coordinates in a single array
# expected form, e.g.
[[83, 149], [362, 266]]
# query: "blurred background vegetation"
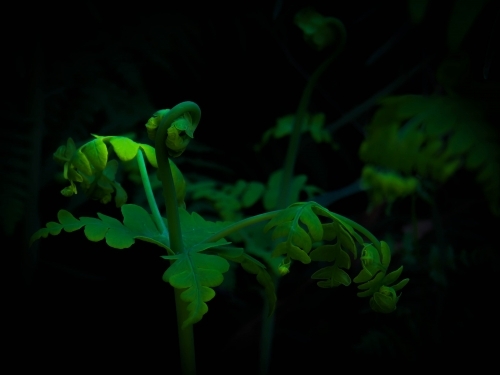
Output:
[[104, 70]]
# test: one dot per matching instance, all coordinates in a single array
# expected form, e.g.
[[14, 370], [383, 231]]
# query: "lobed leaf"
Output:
[[334, 277], [437, 135], [333, 274], [297, 242], [66, 221], [375, 281], [137, 225], [197, 273]]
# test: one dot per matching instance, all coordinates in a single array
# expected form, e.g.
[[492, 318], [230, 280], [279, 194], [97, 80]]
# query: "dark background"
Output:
[[94, 69]]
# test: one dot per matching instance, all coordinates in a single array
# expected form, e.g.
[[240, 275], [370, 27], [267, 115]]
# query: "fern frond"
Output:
[[433, 137], [299, 225], [375, 280], [137, 224], [198, 273], [333, 274], [90, 166], [314, 123], [197, 269], [228, 199], [291, 224]]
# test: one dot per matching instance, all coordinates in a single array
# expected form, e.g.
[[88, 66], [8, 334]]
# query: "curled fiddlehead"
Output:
[[319, 31], [375, 280], [182, 120], [90, 166], [198, 262], [297, 227]]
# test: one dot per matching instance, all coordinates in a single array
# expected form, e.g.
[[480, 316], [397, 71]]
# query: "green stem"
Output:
[[186, 338], [293, 145], [160, 224], [165, 172], [267, 331], [361, 229], [240, 225], [291, 156]]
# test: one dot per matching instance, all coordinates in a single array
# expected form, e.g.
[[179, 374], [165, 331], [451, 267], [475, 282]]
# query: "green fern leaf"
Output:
[[151, 155], [197, 273], [319, 31], [138, 224], [66, 221], [376, 283], [193, 270], [333, 274], [334, 277], [126, 149], [97, 153], [89, 165], [433, 137], [270, 199], [195, 229], [252, 193], [81, 163], [344, 235], [297, 243]]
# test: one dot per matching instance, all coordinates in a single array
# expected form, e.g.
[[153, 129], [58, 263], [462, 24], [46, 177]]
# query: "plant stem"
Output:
[[361, 229], [300, 115], [291, 156], [160, 224], [185, 335], [267, 331], [186, 338], [241, 224]]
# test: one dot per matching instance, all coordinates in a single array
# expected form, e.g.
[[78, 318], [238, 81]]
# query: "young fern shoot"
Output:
[[197, 249]]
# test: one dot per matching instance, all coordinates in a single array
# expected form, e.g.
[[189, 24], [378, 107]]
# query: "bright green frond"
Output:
[[137, 224], [197, 273]]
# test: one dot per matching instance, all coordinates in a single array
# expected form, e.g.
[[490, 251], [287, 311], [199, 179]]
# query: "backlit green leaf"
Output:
[[197, 273], [252, 193], [81, 162], [150, 154], [125, 148], [97, 154]]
